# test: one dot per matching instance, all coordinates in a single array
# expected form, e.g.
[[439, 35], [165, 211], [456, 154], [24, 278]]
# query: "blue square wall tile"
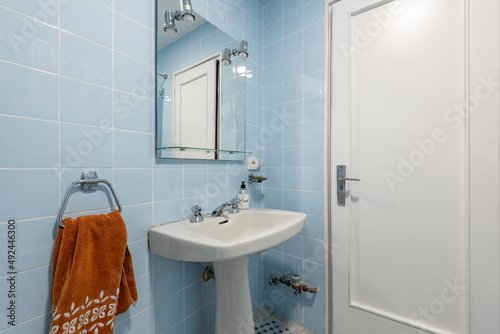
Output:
[[133, 76], [196, 323], [85, 60], [293, 200], [313, 132], [293, 44], [22, 200], [133, 39], [168, 280], [292, 5], [315, 227], [195, 182], [314, 320], [40, 50], [32, 143], [139, 323], [194, 298], [85, 103], [293, 156], [313, 179], [132, 112], [169, 211], [135, 186], [138, 10], [293, 21], [293, 69], [48, 11], [293, 178], [168, 184], [274, 53], [313, 203], [34, 293], [313, 36], [41, 87], [313, 155], [274, 32], [138, 219], [273, 11], [293, 246], [86, 146], [74, 18], [133, 150]]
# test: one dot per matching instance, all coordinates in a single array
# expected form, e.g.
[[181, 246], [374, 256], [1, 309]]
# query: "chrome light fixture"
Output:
[[226, 57], [186, 14], [242, 52], [169, 26]]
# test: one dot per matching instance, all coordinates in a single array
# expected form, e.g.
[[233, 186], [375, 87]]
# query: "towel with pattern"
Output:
[[92, 275]]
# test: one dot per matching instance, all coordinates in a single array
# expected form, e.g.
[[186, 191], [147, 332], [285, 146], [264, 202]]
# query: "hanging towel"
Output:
[[92, 274]]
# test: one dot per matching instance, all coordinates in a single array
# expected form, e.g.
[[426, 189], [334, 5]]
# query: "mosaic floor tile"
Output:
[[268, 322]]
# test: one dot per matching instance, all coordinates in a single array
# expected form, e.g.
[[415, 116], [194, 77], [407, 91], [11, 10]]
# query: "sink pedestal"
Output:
[[233, 313]]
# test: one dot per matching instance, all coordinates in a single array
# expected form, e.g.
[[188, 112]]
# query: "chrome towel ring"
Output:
[[89, 181]]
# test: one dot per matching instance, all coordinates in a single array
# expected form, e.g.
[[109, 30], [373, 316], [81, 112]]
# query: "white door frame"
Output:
[[484, 170]]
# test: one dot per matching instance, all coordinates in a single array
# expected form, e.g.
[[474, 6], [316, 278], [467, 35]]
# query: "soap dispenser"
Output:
[[243, 197]]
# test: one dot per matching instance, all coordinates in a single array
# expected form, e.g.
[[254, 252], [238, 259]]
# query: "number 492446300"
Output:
[[11, 245]]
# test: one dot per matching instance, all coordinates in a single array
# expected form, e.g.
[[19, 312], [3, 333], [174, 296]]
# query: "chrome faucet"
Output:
[[197, 217], [218, 211]]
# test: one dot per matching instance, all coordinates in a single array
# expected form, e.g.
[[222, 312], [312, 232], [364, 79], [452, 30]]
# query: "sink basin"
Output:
[[228, 243], [245, 233]]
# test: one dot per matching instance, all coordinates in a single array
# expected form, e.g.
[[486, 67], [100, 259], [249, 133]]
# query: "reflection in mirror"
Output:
[[201, 95]]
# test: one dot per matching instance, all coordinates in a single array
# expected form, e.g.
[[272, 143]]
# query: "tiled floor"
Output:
[[268, 322]]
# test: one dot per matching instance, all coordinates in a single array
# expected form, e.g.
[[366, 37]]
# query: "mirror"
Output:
[[201, 91]]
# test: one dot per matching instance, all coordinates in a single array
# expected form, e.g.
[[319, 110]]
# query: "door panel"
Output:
[[398, 67], [198, 113], [400, 86]]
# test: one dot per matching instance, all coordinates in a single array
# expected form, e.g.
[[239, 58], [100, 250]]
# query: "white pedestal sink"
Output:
[[228, 242]]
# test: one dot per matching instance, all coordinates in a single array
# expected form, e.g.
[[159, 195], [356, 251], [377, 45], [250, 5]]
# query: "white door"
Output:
[[414, 115], [195, 110]]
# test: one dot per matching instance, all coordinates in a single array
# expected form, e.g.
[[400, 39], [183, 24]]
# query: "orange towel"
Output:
[[92, 274]]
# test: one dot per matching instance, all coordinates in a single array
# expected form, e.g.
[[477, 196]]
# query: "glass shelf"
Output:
[[208, 150]]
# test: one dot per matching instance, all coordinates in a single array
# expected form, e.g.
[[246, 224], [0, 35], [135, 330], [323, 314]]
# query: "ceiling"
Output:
[[163, 38]]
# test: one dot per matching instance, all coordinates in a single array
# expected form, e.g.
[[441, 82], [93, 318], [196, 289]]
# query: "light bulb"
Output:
[[243, 55], [188, 18], [226, 62], [170, 31]]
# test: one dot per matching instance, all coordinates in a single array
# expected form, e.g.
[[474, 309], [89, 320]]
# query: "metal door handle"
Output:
[[341, 180]]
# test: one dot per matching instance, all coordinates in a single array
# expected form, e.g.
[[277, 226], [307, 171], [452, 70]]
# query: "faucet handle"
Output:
[[234, 206], [197, 214]]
